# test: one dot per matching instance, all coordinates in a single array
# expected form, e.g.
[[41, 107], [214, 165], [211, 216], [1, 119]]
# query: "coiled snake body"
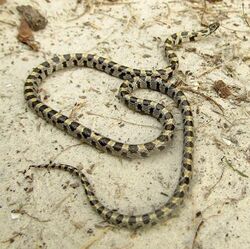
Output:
[[134, 79]]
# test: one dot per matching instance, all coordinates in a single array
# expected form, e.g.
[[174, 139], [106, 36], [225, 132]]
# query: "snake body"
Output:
[[133, 79]]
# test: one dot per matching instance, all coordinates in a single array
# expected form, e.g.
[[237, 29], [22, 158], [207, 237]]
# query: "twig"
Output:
[[22, 211], [9, 23], [212, 188], [224, 159], [209, 70], [77, 3], [236, 30], [76, 108], [69, 147], [245, 15], [87, 9], [226, 202], [34, 217], [204, 96], [223, 116], [204, 10], [132, 18], [111, 16], [196, 232], [11, 239]]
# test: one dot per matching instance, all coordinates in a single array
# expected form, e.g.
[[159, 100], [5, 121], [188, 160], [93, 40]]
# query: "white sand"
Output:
[[43, 210]]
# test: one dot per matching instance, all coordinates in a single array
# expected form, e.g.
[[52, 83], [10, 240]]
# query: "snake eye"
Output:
[[213, 26]]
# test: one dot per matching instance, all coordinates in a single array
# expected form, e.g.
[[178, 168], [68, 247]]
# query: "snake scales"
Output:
[[133, 79]]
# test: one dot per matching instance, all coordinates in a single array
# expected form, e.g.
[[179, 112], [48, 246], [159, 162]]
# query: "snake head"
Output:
[[213, 26]]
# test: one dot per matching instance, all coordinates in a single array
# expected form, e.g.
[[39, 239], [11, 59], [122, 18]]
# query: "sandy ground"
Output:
[[41, 209]]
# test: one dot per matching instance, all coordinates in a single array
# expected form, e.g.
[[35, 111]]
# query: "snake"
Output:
[[133, 79]]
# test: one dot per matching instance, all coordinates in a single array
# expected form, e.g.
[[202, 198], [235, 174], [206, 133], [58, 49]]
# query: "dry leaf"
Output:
[[25, 35], [2, 2], [222, 89]]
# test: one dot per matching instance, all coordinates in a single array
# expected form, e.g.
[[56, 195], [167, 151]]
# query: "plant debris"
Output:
[[222, 89], [204, 96], [34, 19], [25, 35], [197, 232], [214, 1], [15, 234], [213, 187], [224, 159], [245, 17], [74, 185], [2, 2], [21, 211]]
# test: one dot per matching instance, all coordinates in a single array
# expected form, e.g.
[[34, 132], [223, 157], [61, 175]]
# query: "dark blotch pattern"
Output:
[[66, 57], [189, 144], [184, 33], [103, 141], [159, 213], [146, 102], [101, 60], [28, 83], [145, 219], [149, 146], [93, 202], [42, 108], [37, 70], [93, 143], [187, 113], [133, 99], [31, 77], [187, 166], [51, 113], [86, 133], [73, 126], [133, 148], [188, 155], [189, 123], [169, 127], [56, 59], [90, 57], [189, 133], [162, 138], [45, 64], [179, 194], [184, 180], [174, 36], [170, 205], [109, 214], [35, 103], [28, 91], [100, 209], [185, 102], [78, 56], [61, 119], [119, 219], [117, 146]]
